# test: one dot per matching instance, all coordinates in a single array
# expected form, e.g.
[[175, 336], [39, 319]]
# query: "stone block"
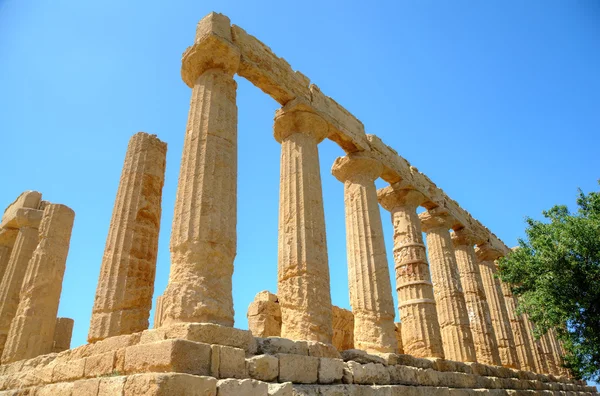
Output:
[[284, 389], [110, 386], [209, 333], [62, 389], [403, 375], [247, 387], [68, 371], [155, 384], [152, 335], [99, 365], [179, 356], [275, 345], [112, 344], [368, 374], [363, 357], [228, 362], [298, 368], [263, 367], [88, 387], [320, 349], [330, 370]]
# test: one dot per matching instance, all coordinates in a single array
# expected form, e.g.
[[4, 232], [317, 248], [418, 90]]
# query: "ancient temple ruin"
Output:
[[459, 330]]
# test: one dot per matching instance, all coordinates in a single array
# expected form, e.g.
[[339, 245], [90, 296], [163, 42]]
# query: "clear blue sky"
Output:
[[498, 102]]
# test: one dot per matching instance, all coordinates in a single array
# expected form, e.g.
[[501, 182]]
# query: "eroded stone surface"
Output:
[[62, 334]]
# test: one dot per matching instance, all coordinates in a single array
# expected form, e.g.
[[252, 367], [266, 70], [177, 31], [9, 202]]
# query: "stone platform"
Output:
[[207, 359]]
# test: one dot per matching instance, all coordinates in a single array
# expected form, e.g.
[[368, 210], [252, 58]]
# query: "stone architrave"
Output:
[[62, 334], [264, 315], [8, 238], [126, 283], [484, 337], [303, 271], [504, 336], [32, 330], [203, 238], [10, 288], [421, 335], [447, 289], [368, 273], [522, 345], [539, 363]]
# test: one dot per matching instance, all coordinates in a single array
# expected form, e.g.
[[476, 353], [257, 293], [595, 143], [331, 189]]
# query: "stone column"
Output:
[[399, 338], [449, 297], [7, 241], [506, 344], [522, 345], [368, 274], [203, 238], [158, 313], [126, 283], [539, 363], [62, 334], [303, 271], [32, 330], [421, 335], [10, 288], [484, 337], [548, 355], [556, 352]]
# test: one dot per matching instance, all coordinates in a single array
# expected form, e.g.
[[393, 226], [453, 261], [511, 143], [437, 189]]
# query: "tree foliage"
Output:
[[555, 274]]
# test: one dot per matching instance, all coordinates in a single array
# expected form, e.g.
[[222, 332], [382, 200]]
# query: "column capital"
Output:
[[394, 195], [212, 49], [464, 236], [356, 166], [436, 218], [486, 252], [299, 119]]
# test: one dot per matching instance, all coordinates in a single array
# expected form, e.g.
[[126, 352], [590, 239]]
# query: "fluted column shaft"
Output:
[[421, 335], [556, 352], [203, 238], [449, 297], [63, 332], [478, 310], [549, 355], [539, 362], [303, 285], [10, 287], [126, 282], [506, 344], [522, 345], [8, 238], [32, 330], [368, 274]]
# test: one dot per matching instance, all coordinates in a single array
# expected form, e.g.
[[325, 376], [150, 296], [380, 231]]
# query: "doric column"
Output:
[[539, 363], [32, 330], [506, 344], [203, 238], [62, 334], [420, 328], [7, 241], [126, 282], [368, 274], [449, 297], [10, 287], [548, 355], [303, 271], [484, 337], [157, 312], [556, 352], [522, 345]]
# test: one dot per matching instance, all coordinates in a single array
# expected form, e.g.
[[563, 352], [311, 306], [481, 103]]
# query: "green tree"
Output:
[[555, 274]]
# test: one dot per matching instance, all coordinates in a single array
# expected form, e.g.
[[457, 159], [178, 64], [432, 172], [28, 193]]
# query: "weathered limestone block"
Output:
[[62, 334], [447, 289], [298, 369], [484, 337], [320, 349], [343, 329], [263, 367], [180, 356], [27, 200], [498, 311], [227, 362], [8, 238], [248, 387], [158, 312], [303, 270], [10, 287], [370, 373], [203, 238], [167, 384], [276, 345], [368, 273], [285, 389], [330, 370], [363, 357], [420, 328], [32, 330], [264, 315], [399, 338], [518, 328], [126, 282]]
